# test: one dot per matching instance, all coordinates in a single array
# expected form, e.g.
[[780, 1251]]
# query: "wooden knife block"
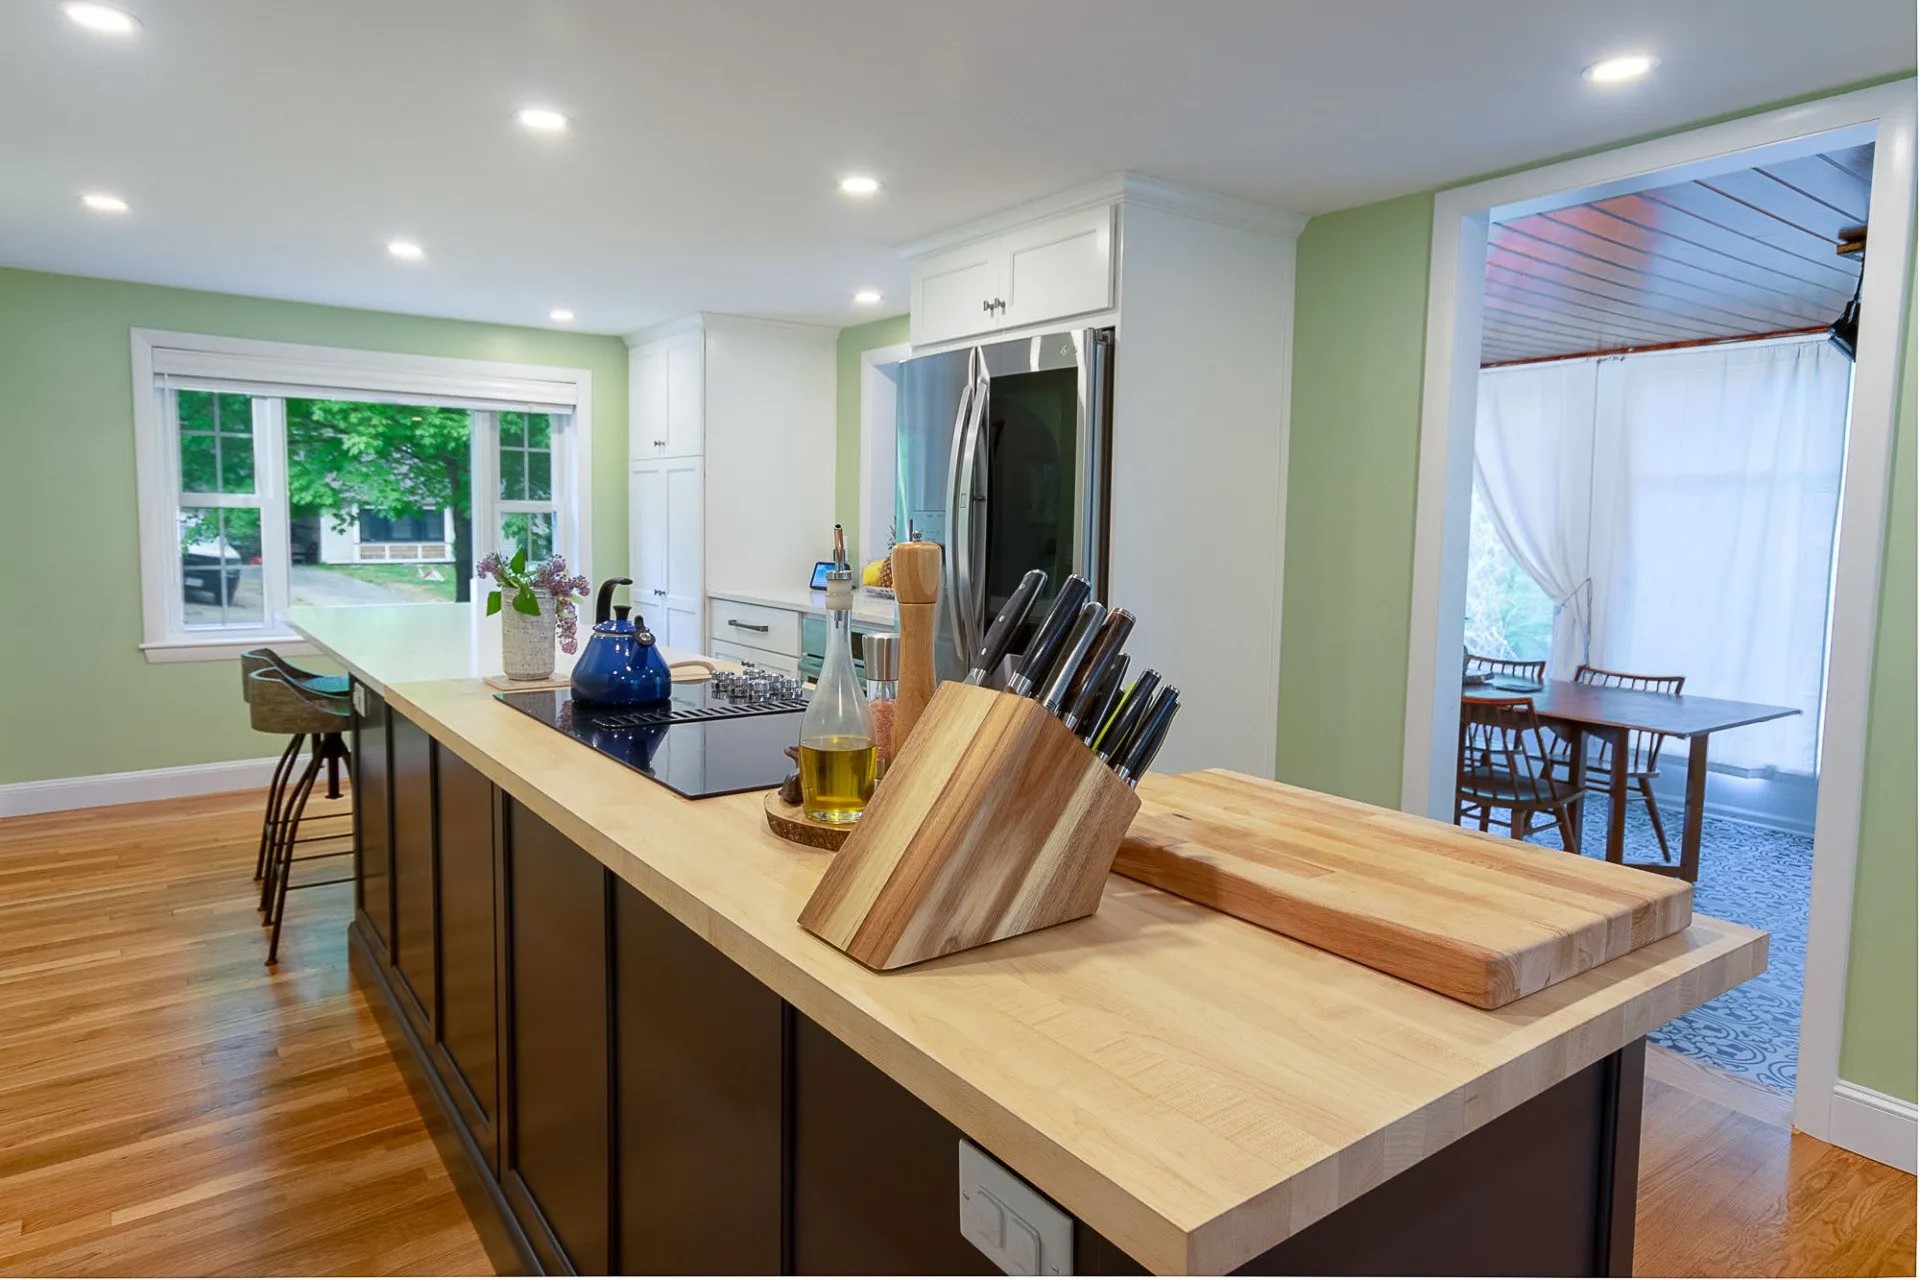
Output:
[[994, 821]]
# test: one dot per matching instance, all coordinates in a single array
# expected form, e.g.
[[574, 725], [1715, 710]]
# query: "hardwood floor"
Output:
[[169, 1106]]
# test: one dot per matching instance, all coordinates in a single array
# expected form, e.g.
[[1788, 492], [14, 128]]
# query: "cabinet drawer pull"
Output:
[[747, 626]]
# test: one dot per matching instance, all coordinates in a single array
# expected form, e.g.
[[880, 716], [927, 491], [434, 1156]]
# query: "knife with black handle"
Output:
[[1046, 642], [1153, 732], [1083, 694], [1106, 695], [1073, 656], [1000, 634], [1133, 708]]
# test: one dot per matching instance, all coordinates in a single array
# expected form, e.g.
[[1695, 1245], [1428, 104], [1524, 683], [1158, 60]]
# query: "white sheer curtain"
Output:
[[1705, 518], [1533, 466]]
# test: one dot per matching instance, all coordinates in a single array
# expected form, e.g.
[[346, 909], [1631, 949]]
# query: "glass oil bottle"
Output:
[[838, 760]]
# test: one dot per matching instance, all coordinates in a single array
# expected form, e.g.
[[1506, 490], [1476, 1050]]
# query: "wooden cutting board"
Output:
[[1476, 917]]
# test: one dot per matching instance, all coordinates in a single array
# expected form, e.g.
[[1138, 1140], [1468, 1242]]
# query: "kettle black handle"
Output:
[[603, 603]]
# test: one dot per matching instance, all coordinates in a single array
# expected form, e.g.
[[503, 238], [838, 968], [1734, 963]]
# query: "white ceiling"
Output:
[[273, 147]]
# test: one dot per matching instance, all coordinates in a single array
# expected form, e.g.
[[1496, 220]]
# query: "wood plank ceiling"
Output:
[[1737, 255]]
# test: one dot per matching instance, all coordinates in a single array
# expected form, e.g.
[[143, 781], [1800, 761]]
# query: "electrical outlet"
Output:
[[1021, 1231]]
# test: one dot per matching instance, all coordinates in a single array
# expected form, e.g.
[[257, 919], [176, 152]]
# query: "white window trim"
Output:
[[281, 367]]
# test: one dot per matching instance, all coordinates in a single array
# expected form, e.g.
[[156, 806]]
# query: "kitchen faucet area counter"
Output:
[[652, 1067]]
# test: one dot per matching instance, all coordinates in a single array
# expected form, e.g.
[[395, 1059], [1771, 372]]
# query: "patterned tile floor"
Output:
[[1753, 876]]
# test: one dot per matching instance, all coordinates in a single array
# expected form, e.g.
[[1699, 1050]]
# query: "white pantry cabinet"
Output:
[[1048, 269], [731, 451], [666, 501], [666, 397]]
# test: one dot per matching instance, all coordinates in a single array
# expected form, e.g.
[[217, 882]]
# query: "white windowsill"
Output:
[[225, 649]]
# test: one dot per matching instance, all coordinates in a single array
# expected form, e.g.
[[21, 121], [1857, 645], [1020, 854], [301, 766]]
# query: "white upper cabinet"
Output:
[[1046, 270], [953, 293], [666, 398], [1057, 268]]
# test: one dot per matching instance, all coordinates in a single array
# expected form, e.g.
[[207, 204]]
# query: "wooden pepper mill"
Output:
[[916, 588]]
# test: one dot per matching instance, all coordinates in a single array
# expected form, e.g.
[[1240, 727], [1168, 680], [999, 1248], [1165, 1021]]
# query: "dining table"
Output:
[[1579, 712]]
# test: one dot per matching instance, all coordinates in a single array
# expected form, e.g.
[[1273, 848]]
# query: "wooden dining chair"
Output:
[[1517, 667], [1504, 765], [1643, 745]]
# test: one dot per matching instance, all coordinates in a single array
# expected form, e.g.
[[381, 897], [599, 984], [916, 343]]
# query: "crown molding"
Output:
[[707, 319], [1126, 189]]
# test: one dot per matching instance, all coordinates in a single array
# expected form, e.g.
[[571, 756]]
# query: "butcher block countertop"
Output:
[[1193, 1087]]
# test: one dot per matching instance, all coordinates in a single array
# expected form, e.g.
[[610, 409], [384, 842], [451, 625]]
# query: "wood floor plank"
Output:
[[168, 1107]]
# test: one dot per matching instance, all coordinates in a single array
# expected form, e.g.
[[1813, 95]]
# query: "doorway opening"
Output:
[[1685, 273]]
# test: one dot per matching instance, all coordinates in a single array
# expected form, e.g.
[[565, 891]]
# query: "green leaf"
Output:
[[493, 603], [523, 600], [519, 566]]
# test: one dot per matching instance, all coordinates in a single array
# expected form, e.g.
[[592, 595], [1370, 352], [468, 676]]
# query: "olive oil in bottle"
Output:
[[837, 755], [836, 777]]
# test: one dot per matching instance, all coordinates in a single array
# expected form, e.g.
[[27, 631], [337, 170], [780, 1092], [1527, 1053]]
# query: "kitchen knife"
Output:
[[1084, 695], [1073, 656], [1046, 642], [1107, 697], [1000, 634], [1153, 732], [1132, 708]]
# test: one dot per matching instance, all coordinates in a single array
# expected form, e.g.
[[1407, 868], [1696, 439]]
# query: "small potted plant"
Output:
[[541, 599]]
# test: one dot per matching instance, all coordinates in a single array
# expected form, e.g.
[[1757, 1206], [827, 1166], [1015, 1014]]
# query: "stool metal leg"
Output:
[[302, 790], [275, 790], [281, 833], [333, 766]]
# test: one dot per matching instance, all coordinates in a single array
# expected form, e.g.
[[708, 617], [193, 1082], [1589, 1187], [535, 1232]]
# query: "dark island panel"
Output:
[[559, 1092], [623, 1097]]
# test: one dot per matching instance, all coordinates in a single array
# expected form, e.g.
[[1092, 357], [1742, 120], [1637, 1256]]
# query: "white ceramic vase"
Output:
[[527, 640]]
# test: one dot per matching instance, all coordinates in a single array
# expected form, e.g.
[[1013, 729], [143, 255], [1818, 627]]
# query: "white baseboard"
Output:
[[1877, 1125], [57, 794]]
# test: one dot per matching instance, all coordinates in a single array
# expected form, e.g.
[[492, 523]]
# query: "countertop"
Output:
[[868, 610], [1193, 1087], [387, 644]]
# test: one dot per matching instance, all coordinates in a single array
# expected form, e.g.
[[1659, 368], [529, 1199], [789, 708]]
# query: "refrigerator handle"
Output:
[[968, 623], [956, 503]]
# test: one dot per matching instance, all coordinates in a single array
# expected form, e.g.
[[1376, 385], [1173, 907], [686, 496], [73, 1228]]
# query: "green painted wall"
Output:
[[79, 698], [1359, 343], [1359, 338], [846, 468]]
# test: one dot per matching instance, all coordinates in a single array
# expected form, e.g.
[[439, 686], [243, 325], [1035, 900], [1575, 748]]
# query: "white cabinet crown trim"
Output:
[[1128, 188]]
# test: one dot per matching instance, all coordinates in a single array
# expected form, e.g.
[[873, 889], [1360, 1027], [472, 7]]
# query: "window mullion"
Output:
[[485, 472], [270, 484]]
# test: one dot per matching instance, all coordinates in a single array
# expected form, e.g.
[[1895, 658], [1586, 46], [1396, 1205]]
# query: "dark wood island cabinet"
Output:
[[619, 1096]]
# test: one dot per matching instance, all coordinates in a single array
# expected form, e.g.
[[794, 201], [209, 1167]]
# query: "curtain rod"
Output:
[[1661, 346]]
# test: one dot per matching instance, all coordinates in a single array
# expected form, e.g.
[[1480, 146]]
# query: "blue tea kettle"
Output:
[[620, 668]]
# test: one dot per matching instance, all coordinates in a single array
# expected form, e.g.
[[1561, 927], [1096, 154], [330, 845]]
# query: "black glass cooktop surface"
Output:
[[700, 744]]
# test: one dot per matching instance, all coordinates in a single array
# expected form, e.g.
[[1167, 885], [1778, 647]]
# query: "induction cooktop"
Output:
[[699, 744]]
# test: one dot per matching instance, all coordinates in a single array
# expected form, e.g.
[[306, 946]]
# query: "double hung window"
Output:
[[273, 475]]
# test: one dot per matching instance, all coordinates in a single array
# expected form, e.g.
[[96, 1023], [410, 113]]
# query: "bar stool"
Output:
[[332, 686], [280, 703]]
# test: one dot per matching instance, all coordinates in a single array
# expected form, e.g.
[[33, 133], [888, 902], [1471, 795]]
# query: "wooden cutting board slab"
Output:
[[1476, 917]]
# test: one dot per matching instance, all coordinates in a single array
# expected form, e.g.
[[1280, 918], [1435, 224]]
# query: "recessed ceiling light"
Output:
[[859, 185], [101, 17], [405, 249], [867, 297], [560, 315], [1628, 66], [542, 119], [100, 202]]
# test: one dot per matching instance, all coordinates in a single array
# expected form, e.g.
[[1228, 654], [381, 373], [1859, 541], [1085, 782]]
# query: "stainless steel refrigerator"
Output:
[[1002, 459]]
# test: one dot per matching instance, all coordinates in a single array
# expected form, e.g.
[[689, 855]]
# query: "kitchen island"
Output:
[[649, 1066]]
